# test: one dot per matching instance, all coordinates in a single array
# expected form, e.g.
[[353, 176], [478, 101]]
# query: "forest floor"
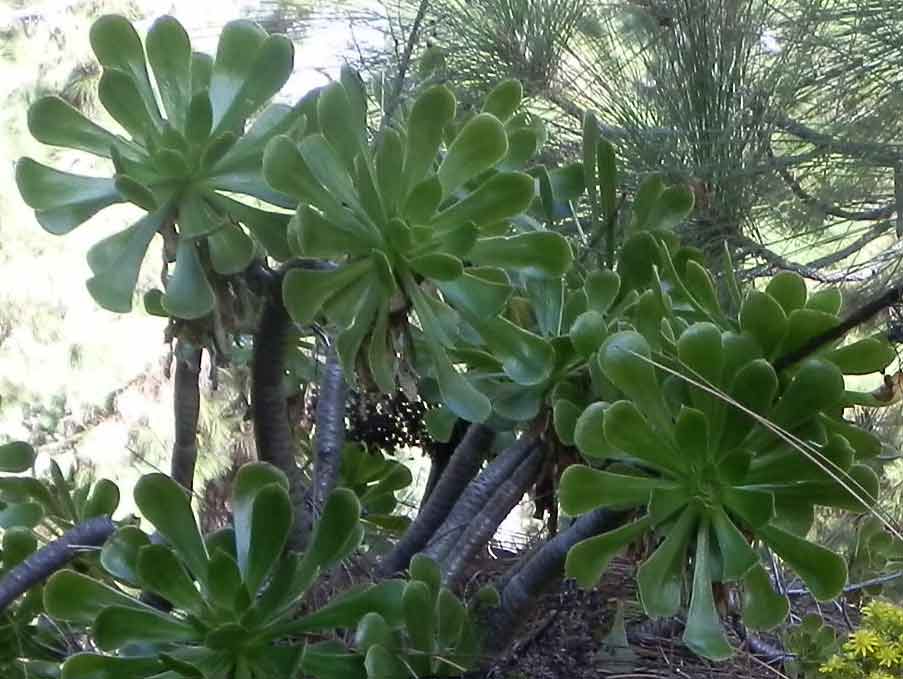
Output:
[[572, 634]]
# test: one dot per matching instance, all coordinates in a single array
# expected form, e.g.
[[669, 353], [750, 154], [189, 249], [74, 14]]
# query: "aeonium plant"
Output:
[[235, 595], [719, 451], [178, 163], [420, 219]]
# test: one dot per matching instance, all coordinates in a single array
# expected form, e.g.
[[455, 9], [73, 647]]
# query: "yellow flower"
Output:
[[834, 664], [862, 642], [887, 655]]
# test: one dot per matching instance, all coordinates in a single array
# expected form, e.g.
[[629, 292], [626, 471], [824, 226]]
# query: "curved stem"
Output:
[[475, 496], [186, 409], [487, 522], [540, 569], [462, 468], [331, 399], [52, 557]]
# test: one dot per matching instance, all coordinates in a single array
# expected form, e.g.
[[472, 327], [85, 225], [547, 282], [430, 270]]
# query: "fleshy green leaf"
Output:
[[526, 358], [588, 432], [703, 633], [163, 502], [250, 480], [169, 54], [504, 99], [431, 112], [93, 666], [74, 597], [389, 164], [788, 289], [823, 571], [500, 197], [250, 67], [588, 332], [21, 515], [160, 571], [305, 291], [660, 577], [458, 393], [564, 418], [117, 46], [16, 457], [61, 200], [763, 608], [483, 292], [584, 489], [340, 123], [103, 500], [231, 250], [122, 98], [119, 555], [53, 121], [332, 660], [479, 146], [601, 289], [587, 560], [116, 262], [271, 521], [763, 318], [867, 356], [188, 293], [339, 518], [736, 555], [348, 608], [118, 626], [540, 253], [450, 616]]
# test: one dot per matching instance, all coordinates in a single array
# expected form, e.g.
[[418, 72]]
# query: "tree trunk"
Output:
[[461, 470]]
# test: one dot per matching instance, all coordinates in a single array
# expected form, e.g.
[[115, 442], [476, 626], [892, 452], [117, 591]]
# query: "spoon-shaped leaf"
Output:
[[306, 291], [479, 146], [188, 294], [103, 500], [788, 289], [271, 521], [431, 112], [601, 289], [163, 502], [93, 666], [660, 577], [269, 228], [21, 515], [160, 571], [623, 359], [763, 608], [526, 358], [118, 626], [119, 555], [62, 200], [116, 262], [231, 250], [242, 82], [340, 123], [53, 121], [626, 429], [117, 46], [348, 608], [763, 318], [753, 387], [169, 55], [480, 291], [458, 393], [584, 489], [867, 356], [16, 457], [823, 571], [540, 253], [500, 197], [817, 386], [737, 557], [340, 517], [120, 95], [381, 663], [589, 433], [587, 560], [74, 597], [332, 660], [503, 100], [703, 633], [389, 164], [828, 300], [250, 480]]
